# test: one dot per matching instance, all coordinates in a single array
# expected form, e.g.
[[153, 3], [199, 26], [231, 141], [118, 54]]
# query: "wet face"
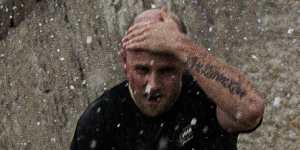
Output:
[[154, 79]]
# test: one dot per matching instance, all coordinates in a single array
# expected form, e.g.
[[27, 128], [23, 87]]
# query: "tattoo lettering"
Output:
[[211, 72]]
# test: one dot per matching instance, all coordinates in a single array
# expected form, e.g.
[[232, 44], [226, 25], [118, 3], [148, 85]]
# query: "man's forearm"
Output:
[[225, 85]]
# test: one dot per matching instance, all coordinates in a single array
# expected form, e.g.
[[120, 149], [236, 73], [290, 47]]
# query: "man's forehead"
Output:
[[146, 57]]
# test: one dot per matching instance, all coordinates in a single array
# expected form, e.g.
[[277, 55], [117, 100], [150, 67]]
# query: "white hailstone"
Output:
[[163, 143], [40, 24], [51, 19], [210, 29], [245, 38], [83, 82], [118, 125], [209, 49], [292, 134], [153, 6], [259, 20], [254, 57], [176, 127], [61, 58], [38, 123], [53, 139], [141, 132], [14, 7], [162, 124], [205, 129], [147, 89], [290, 30], [51, 36], [72, 87], [198, 93], [89, 39], [193, 121], [98, 109], [276, 102], [93, 144], [10, 17], [2, 55]]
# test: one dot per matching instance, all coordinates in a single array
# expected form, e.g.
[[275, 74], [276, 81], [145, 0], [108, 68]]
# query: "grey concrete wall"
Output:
[[62, 54]]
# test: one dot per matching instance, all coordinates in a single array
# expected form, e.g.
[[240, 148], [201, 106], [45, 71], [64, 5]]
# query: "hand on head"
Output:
[[157, 34]]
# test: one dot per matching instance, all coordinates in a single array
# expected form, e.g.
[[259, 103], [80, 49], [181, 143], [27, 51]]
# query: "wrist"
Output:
[[188, 49]]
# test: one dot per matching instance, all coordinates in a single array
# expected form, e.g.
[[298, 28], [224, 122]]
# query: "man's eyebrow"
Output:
[[141, 65], [164, 68]]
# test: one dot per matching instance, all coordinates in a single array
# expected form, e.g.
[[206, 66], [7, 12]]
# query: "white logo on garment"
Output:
[[186, 135]]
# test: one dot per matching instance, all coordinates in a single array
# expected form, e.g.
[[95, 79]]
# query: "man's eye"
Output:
[[168, 71], [142, 70]]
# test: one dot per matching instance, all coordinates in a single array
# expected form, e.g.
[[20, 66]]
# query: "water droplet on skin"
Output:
[[238, 115], [147, 89], [151, 62]]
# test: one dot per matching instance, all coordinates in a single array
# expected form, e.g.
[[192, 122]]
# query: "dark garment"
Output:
[[113, 121]]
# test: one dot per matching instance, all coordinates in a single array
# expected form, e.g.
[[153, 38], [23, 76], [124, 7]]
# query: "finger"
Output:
[[137, 39], [139, 25], [164, 13], [135, 33], [136, 46]]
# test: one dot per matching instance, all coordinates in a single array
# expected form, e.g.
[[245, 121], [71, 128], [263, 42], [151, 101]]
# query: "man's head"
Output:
[[154, 78]]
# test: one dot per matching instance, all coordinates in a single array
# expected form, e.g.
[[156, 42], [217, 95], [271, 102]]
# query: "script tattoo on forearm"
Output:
[[211, 72]]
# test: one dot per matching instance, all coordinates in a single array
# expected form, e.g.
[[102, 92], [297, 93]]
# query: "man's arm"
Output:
[[239, 106]]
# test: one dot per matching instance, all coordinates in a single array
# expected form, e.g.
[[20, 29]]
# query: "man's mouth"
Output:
[[154, 98]]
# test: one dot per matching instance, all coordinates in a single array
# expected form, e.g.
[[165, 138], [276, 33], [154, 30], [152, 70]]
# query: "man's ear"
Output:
[[123, 56]]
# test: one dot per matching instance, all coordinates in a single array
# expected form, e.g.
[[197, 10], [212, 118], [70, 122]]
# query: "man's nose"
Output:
[[154, 82]]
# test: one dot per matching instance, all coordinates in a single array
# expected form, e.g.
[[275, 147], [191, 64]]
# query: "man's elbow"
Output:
[[254, 114]]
